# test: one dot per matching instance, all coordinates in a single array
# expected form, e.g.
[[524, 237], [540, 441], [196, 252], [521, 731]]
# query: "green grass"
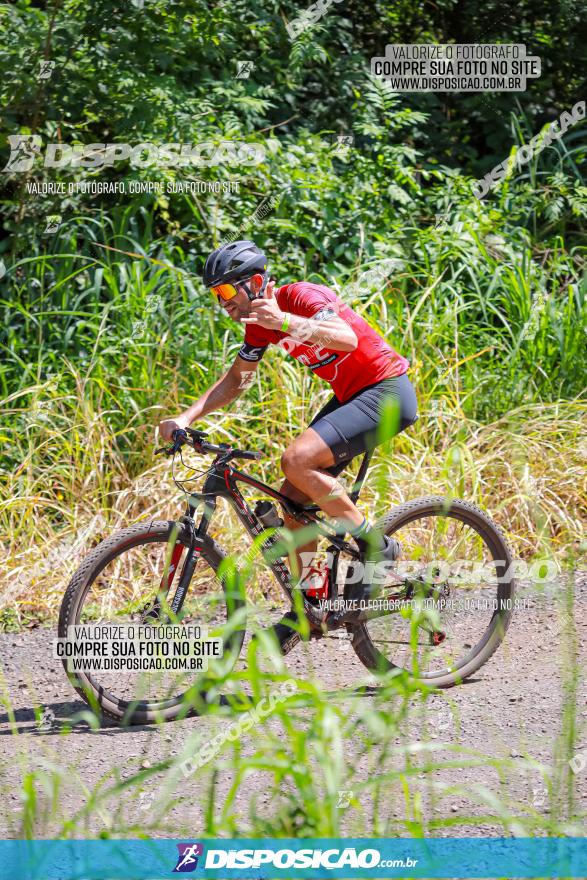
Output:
[[307, 749]]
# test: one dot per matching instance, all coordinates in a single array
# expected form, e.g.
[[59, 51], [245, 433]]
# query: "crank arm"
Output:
[[336, 619], [390, 604]]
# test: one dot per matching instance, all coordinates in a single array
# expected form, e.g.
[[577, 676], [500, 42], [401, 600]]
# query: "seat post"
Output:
[[361, 475]]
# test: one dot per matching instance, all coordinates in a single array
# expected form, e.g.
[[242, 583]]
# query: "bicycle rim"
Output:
[[447, 629], [116, 589]]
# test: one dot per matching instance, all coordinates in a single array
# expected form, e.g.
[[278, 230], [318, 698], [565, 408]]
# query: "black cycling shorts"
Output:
[[370, 417]]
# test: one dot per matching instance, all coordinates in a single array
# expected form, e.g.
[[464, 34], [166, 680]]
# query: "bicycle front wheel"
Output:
[[451, 622], [116, 588]]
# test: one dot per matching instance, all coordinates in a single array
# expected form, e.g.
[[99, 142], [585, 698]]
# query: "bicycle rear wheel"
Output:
[[115, 586], [454, 551]]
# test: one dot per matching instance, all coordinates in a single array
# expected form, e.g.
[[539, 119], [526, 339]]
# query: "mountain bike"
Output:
[[436, 615]]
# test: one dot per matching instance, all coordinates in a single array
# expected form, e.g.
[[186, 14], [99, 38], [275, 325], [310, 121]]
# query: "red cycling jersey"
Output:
[[347, 371]]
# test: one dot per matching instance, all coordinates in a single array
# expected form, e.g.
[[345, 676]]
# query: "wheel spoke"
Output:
[[122, 585], [452, 548]]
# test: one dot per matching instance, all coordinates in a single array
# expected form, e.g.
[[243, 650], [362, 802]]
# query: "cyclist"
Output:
[[318, 329]]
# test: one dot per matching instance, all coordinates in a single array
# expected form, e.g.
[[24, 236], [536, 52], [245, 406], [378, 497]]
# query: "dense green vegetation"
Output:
[[162, 74]]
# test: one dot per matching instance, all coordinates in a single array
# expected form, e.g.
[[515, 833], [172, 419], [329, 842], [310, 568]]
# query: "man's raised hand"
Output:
[[264, 311]]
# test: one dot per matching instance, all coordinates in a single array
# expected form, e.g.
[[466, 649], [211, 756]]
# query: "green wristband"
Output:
[[285, 324]]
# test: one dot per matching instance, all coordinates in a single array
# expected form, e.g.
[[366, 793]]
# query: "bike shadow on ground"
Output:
[[66, 715], [373, 690], [69, 715]]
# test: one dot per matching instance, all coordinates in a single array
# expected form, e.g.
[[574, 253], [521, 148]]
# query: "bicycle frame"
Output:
[[222, 482]]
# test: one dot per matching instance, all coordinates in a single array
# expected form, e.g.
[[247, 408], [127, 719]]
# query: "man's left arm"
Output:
[[326, 328]]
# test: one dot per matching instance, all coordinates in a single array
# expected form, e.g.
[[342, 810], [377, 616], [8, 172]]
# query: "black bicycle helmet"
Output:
[[231, 262]]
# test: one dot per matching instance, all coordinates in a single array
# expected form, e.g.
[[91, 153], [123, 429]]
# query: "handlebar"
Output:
[[196, 439]]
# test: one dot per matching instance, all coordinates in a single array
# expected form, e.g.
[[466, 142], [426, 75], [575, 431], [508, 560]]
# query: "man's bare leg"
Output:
[[293, 525], [303, 464]]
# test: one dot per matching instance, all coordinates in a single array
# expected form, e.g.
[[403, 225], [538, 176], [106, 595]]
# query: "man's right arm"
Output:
[[219, 395]]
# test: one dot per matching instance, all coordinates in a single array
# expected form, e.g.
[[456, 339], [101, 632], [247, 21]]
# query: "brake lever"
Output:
[[179, 435], [168, 450]]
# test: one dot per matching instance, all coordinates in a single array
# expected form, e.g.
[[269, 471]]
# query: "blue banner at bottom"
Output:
[[289, 858]]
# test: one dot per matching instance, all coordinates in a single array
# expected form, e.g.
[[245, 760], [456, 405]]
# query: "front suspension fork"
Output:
[[196, 536]]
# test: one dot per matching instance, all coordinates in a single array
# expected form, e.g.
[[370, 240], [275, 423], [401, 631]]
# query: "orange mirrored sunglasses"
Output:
[[224, 291]]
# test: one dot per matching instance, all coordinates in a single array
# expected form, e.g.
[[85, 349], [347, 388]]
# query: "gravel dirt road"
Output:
[[512, 709]]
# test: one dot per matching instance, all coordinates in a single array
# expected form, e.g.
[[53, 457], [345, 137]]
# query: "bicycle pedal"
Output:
[[437, 637]]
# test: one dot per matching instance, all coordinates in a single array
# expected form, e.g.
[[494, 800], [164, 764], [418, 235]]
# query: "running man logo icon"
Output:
[[24, 149], [187, 861], [46, 69], [244, 68], [343, 143], [53, 223]]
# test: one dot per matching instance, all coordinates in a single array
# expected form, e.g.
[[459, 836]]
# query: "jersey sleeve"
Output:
[[312, 301], [255, 343]]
